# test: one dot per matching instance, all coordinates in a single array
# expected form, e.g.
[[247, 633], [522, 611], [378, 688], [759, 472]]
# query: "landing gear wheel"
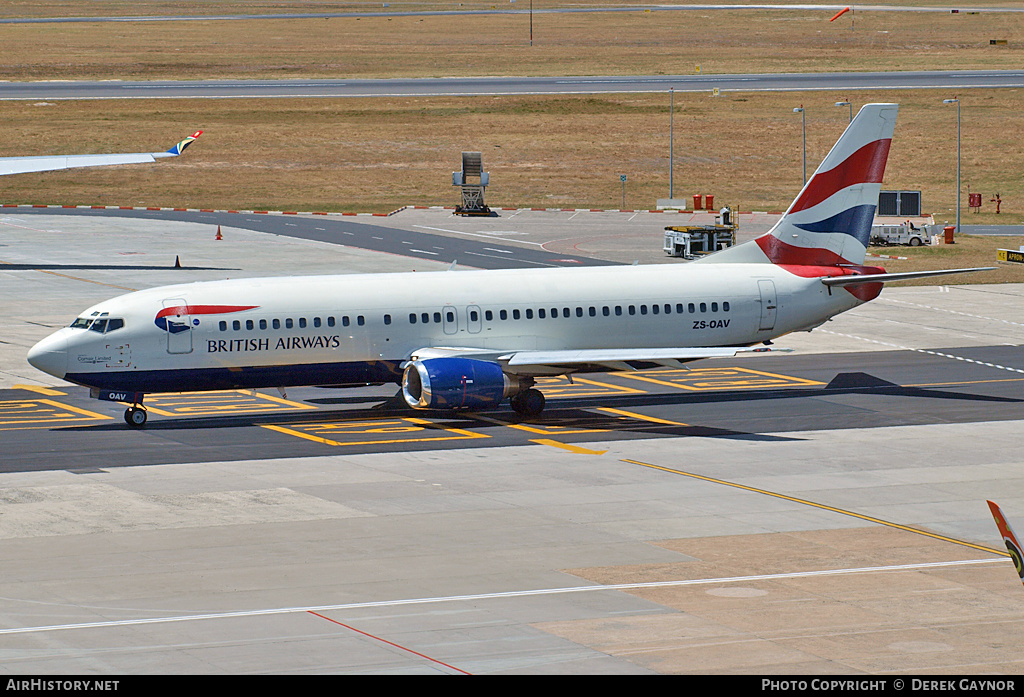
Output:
[[135, 417], [528, 403]]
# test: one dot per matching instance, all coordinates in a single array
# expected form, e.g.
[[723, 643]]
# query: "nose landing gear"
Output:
[[135, 416]]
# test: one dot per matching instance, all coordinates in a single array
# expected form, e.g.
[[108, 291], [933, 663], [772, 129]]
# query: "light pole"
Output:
[[803, 119], [849, 104], [956, 100], [671, 138]]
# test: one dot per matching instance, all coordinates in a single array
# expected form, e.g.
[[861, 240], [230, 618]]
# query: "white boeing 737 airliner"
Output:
[[470, 339]]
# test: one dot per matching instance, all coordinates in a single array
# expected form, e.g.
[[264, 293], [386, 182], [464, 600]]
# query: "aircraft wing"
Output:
[[47, 163], [1012, 545], [542, 362]]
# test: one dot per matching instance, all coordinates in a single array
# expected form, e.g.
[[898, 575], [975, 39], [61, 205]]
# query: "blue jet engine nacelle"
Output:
[[456, 383]]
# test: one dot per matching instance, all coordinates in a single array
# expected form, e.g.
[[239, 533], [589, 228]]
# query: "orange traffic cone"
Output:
[[219, 236]]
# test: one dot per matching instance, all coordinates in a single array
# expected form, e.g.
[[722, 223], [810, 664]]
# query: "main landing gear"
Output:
[[135, 416], [528, 403]]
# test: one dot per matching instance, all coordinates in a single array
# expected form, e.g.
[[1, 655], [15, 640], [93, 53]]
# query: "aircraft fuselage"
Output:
[[349, 329]]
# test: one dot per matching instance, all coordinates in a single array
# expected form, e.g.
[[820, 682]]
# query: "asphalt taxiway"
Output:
[[820, 512]]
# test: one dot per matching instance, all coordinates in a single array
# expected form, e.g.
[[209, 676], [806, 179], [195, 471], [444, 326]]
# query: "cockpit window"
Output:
[[102, 325]]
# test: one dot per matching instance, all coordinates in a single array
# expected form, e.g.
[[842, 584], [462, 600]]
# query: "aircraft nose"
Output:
[[51, 355]]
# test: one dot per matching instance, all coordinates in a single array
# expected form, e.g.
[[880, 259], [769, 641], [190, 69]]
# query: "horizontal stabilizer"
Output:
[[891, 277]]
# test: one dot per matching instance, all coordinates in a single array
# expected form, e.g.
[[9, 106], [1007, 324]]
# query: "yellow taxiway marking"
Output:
[[560, 387], [42, 413], [642, 417], [554, 430], [567, 446], [39, 389], [86, 280], [218, 402], [700, 379], [821, 506], [544, 430], [385, 427]]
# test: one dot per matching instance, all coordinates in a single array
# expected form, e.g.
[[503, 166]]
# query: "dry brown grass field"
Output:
[[544, 151], [635, 42]]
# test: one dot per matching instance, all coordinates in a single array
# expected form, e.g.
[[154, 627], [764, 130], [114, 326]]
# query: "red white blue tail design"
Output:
[[829, 223]]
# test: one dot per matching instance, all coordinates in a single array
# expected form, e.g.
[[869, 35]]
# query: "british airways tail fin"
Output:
[[1012, 544], [829, 222]]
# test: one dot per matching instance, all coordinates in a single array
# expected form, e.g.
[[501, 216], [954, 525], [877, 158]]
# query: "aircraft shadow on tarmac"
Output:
[[582, 425], [576, 417], [107, 267], [843, 383]]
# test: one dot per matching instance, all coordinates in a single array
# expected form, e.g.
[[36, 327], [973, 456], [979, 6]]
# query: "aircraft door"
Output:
[[474, 321], [450, 319], [769, 304], [175, 320]]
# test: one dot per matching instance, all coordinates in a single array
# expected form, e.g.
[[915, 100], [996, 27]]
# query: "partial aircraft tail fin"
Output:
[[179, 148], [829, 222], [1012, 544]]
